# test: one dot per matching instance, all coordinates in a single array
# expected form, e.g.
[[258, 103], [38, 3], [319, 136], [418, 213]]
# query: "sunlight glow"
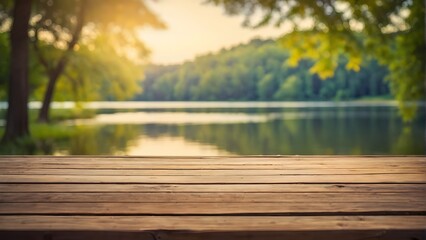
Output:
[[176, 146], [194, 28]]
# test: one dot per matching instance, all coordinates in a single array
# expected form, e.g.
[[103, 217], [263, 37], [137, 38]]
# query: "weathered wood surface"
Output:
[[291, 197]]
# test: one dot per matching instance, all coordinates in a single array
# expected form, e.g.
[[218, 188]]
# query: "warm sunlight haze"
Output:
[[195, 28]]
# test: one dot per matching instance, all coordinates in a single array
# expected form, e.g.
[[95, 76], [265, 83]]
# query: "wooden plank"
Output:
[[211, 223], [219, 159], [212, 167], [172, 208], [282, 235], [242, 188], [211, 197], [361, 178], [212, 172], [191, 235], [86, 235], [183, 166], [421, 161]]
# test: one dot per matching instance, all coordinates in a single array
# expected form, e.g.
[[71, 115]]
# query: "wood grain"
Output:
[[209, 179], [222, 197], [212, 223], [208, 235], [217, 208], [191, 188], [212, 172]]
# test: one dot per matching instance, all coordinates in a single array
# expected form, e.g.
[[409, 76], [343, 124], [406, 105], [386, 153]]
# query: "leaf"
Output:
[[354, 63]]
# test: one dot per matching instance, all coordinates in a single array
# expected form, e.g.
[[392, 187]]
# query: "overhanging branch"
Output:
[[38, 51]]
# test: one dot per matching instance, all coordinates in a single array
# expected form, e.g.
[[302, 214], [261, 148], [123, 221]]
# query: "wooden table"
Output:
[[290, 197]]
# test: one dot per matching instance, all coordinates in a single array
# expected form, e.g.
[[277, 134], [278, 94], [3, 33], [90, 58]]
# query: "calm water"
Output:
[[242, 128]]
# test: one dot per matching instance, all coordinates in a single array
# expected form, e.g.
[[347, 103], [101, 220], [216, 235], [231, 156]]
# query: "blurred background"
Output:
[[212, 77]]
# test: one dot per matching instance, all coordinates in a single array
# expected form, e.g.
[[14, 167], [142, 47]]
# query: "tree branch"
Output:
[[74, 40], [38, 51]]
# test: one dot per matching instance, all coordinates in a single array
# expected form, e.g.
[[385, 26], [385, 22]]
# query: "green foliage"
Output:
[[323, 49], [58, 20], [407, 62], [46, 137], [59, 115], [288, 89], [60, 139], [46, 132], [266, 86], [393, 33], [105, 65], [99, 73], [91, 46], [259, 71], [21, 146]]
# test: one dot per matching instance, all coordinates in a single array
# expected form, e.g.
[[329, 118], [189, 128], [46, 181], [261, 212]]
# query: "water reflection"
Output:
[[172, 146], [176, 118], [245, 131], [97, 140]]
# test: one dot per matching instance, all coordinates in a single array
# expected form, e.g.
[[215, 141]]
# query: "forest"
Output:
[[258, 71]]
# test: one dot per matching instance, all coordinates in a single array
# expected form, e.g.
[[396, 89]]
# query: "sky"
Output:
[[194, 28]]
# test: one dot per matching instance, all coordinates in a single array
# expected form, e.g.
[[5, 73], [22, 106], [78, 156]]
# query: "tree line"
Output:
[[258, 71]]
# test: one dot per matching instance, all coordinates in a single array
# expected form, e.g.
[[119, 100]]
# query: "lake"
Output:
[[241, 128]]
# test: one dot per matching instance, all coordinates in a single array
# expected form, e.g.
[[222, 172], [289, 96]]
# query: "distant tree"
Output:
[[266, 87]]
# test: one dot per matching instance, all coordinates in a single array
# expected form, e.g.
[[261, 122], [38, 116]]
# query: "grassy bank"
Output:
[[57, 115], [43, 134]]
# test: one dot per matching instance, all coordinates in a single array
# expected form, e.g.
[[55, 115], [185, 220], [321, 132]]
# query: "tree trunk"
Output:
[[48, 95], [17, 112]]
